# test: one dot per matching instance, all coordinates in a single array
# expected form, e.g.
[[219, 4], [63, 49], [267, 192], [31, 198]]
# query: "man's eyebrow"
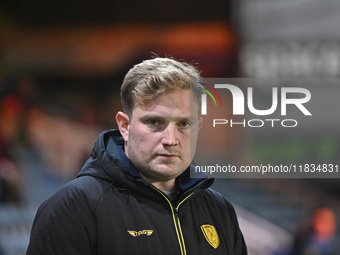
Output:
[[160, 116], [152, 116]]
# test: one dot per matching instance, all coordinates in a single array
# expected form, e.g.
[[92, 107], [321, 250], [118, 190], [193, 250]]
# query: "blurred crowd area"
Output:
[[55, 124]]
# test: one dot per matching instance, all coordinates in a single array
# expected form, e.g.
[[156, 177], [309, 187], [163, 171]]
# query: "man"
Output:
[[135, 195]]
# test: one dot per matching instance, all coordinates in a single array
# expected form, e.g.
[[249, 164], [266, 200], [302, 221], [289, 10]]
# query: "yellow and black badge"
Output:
[[211, 235]]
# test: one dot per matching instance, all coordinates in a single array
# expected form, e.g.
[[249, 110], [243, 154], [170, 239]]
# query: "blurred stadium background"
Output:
[[61, 67]]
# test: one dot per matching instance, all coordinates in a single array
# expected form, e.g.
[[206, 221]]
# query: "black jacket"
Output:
[[110, 210]]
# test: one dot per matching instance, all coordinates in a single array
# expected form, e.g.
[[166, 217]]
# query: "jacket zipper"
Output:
[[174, 213]]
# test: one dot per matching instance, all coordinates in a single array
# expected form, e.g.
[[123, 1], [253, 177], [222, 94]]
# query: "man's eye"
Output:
[[184, 124], [153, 122]]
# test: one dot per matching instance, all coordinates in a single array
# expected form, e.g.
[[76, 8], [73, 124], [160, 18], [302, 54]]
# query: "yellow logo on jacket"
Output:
[[140, 233], [211, 235]]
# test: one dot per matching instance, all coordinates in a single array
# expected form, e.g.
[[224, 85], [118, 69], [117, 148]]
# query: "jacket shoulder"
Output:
[[216, 199], [84, 191], [65, 223], [216, 196]]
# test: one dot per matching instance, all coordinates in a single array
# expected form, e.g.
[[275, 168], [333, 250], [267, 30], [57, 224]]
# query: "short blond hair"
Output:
[[152, 77]]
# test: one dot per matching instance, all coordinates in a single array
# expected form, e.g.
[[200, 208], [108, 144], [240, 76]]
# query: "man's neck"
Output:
[[162, 185]]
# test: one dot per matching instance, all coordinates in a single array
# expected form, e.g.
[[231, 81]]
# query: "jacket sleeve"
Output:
[[63, 225], [228, 212], [239, 243]]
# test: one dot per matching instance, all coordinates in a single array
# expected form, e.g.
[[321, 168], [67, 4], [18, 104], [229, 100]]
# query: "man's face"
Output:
[[162, 135]]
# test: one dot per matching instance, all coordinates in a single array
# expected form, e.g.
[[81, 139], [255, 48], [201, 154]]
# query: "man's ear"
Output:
[[200, 122], [123, 122]]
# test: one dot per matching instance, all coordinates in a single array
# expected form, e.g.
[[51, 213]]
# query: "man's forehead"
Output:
[[168, 97], [172, 99]]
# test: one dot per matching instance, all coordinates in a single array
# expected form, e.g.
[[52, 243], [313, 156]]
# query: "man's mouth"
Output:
[[169, 156]]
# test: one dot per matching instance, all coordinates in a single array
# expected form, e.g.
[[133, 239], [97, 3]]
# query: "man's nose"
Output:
[[170, 135]]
